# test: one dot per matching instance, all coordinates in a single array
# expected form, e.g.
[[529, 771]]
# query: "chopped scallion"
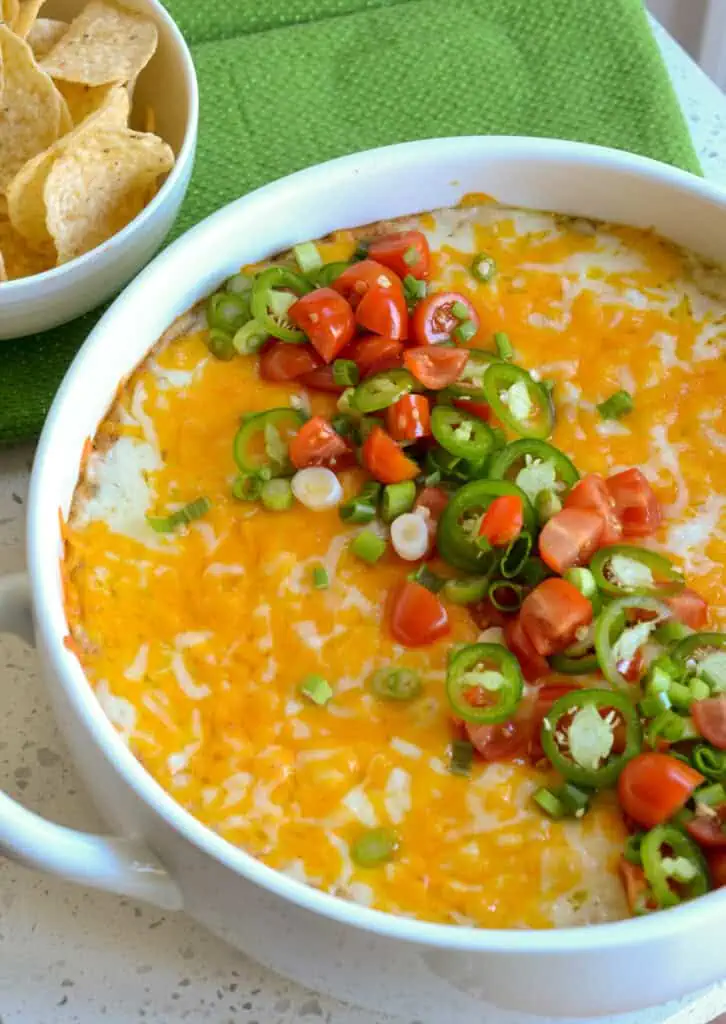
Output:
[[317, 689], [397, 499], [460, 310], [619, 404], [549, 803], [247, 487], [414, 289], [462, 757], [504, 345], [374, 847], [321, 580], [276, 495], [368, 546], [345, 372], [194, 510], [465, 331], [428, 579], [712, 796], [308, 257]]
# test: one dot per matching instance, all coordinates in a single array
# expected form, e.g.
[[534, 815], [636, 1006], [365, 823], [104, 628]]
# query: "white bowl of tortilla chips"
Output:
[[98, 125]]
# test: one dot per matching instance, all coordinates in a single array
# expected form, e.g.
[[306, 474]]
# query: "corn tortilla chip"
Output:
[[66, 121], [26, 16], [105, 43], [3, 272], [26, 205], [82, 100], [96, 188], [30, 112], [20, 260], [9, 11], [44, 34]]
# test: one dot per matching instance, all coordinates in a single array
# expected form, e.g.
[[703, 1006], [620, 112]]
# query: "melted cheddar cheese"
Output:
[[196, 642]]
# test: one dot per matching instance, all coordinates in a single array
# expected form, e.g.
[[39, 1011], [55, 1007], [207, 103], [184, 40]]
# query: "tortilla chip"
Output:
[[95, 188], [9, 11], [105, 43], [82, 100], [26, 204], [26, 16], [30, 113], [3, 272], [19, 259], [66, 121], [44, 34]]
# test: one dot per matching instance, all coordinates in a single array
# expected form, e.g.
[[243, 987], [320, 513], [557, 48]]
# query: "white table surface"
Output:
[[67, 955]]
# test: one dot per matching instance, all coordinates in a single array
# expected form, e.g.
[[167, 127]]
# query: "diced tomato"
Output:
[[405, 252], [362, 277], [316, 444], [435, 500], [533, 665], [636, 504], [503, 520], [632, 669], [709, 717], [591, 493], [717, 867], [327, 319], [503, 742], [479, 409], [280, 361], [570, 538], [409, 418], [374, 354], [552, 614], [635, 885], [434, 320], [653, 786], [321, 379], [384, 312], [709, 829], [689, 608], [417, 615], [385, 461], [436, 368], [485, 615]]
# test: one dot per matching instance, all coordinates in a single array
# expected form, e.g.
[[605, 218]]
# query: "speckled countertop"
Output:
[[67, 955]]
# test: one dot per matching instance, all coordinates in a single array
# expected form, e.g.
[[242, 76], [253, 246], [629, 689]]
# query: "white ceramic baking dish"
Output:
[[392, 964]]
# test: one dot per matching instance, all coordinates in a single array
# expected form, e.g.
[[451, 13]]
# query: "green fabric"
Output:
[[288, 83]]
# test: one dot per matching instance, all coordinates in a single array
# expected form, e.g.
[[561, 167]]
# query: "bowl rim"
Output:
[[11, 289], [67, 673]]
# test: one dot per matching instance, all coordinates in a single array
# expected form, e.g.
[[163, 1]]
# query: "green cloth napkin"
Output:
[[287, 83]]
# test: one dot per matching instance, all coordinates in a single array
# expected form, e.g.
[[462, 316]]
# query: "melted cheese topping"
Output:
[[196, 641]]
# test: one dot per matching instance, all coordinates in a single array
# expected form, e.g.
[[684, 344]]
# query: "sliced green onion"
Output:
[[321, 580], [317, 689], [414, 289], [670, 632], [483, 267], [250, 338], [462, 757], [584, 581], [631, 850], [504, 345], [276, 495], [654, 704], [375, 846], [505, 595], [619, 404], [549, 803], [398, 684], [194, 510], [466, 591], [307, 256], [668, 726], [397, 499], [368, 546], [465, 331], [709, 761], [247, 487], [345, 372], [460, 310], [411, 256], [534, 571], [574, 799], [428, 579], [712, 796], [220, 344], [516, 555], [363, 507]]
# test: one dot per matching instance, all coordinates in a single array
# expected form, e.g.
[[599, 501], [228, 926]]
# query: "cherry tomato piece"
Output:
[[321, 379], [709, 830], [384, 311], [479, 409], [636, 887], [503, 520], [434, 320], [502, 742], [404, 252], [689, 608], [435, 368], [417, 616], [409, 418], [280, 361], [591, 493], [385, 461], [373, 353], [717, 867], [533, 665], [552, 614], [570, 538], [362, 277], [316, 443], [636, 504], [653, 786], [709, 716], [326, 318]]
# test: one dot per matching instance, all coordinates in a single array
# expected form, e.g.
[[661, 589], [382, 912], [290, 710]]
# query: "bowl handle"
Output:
[[119, 865]]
